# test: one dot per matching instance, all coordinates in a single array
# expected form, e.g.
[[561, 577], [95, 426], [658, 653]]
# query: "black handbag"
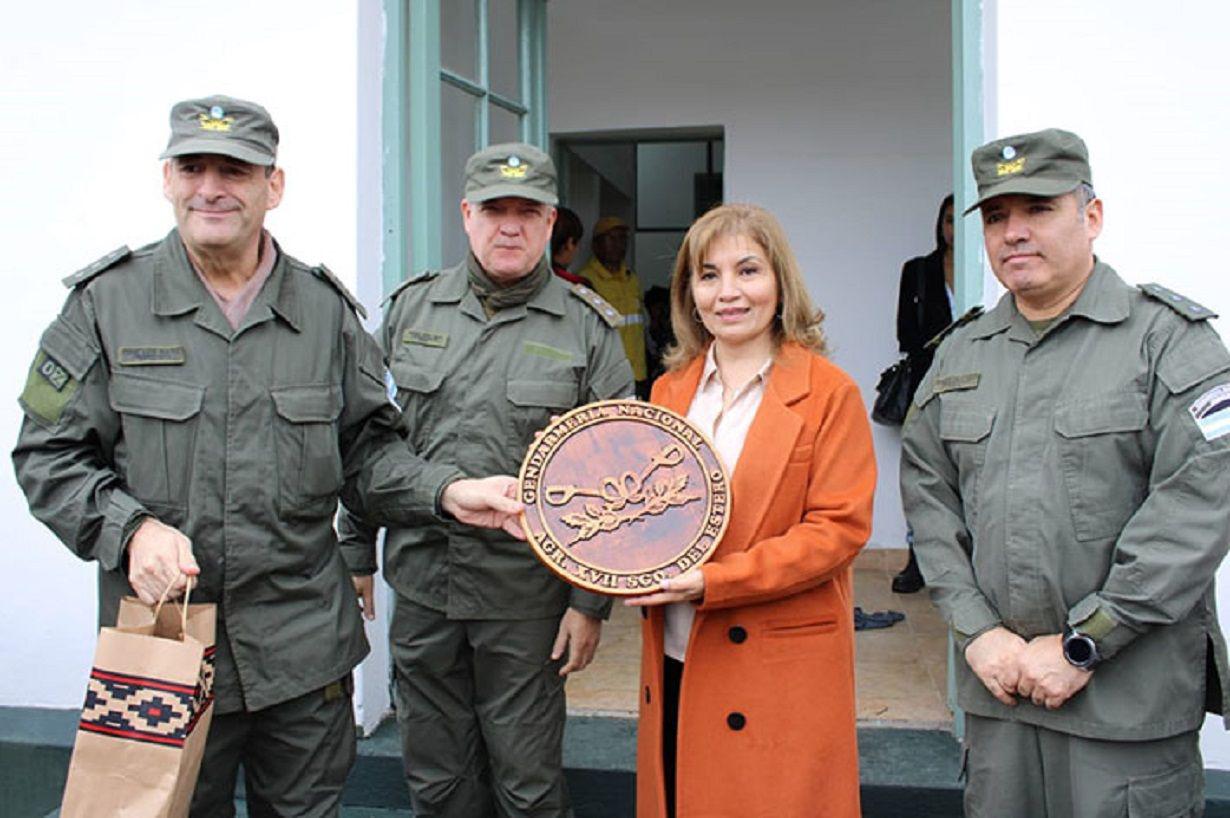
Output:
[[894, 392], [896, 386]]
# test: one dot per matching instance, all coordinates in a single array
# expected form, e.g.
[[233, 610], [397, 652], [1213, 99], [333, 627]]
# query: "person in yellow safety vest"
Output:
[[609, 275]]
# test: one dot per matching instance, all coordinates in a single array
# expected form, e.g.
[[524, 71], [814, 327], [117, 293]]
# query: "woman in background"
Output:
[[747, 662], [924, 309]]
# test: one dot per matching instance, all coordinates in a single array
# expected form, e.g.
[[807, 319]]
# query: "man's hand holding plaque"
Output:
[[621, 496]]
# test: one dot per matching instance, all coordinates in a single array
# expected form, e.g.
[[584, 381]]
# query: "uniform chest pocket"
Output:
[[533, 402], [1101, 454], [417, 390], [308, 459], [160, 420], [966, 432]]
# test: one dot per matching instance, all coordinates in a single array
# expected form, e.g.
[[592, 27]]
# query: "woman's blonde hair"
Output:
[[796, 319]]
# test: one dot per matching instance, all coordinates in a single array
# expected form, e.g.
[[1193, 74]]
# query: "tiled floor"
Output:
[[900, 671]]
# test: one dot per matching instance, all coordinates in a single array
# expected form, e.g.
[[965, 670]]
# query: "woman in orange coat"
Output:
[[747, 668]]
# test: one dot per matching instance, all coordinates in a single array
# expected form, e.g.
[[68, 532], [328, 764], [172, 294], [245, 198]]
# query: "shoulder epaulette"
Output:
[[327, 274], [88, 272], [426, 275], [1183, 305], [600, 305], [970, 315]]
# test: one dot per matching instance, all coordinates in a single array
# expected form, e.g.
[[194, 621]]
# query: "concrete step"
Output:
[[905, 773]]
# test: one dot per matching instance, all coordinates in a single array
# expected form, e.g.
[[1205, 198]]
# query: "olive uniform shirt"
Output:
[[1081, 478], [142, 400], [475, 390]]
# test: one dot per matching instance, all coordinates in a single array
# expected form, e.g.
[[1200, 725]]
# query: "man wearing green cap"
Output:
[[1065, 470], [483, 634], [193, 415]]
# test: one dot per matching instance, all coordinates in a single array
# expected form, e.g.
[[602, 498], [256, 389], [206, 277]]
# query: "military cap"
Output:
[[609, 223], [223, 125], [510, 169], [1044, 163]]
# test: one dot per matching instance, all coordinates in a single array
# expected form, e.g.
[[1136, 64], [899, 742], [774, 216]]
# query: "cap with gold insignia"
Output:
[[511, 169], [223, 125], [1043, 163]]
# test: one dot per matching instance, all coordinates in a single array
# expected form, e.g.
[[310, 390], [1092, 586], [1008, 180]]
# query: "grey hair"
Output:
[[1085, 194]]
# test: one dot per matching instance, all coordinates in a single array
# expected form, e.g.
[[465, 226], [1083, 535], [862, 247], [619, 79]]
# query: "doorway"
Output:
[[657, 181]]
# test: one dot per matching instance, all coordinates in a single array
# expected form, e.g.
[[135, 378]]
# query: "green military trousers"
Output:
[[480, 706], [295, 755], [1019, 769]]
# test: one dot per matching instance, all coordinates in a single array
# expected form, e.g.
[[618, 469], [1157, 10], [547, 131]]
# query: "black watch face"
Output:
[[1079, 650]]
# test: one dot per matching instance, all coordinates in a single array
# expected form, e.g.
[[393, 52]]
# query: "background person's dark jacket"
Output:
[[922, 280]]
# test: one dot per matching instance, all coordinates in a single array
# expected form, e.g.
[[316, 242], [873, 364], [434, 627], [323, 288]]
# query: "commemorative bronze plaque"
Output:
[[622, 494]]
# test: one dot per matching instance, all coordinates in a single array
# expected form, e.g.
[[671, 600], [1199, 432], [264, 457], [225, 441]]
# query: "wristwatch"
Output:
[[1080, 650]]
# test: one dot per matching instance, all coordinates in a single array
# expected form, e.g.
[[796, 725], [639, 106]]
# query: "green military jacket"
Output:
[[474, 391], [1082, 478], [143, 401]]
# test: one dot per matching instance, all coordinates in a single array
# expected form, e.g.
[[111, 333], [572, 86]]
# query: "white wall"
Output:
[[837, 118], [85, 88], [1144, 85]]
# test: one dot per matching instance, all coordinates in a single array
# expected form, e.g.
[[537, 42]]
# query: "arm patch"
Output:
[[63, 359]]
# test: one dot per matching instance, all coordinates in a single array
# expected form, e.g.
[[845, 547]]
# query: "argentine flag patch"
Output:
[[1211, 411], [390, 388]]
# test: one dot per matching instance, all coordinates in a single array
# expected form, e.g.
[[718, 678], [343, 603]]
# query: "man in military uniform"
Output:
[[482, 633], [1065, 469], [195, 411], [608, 272]]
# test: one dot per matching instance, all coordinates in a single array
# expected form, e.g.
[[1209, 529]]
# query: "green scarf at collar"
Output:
[[495, 297]]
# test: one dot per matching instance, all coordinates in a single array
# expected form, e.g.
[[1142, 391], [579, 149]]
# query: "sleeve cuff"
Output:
[[971, 620], [356, 542], [1092, 617], [590, 604], [359, 560], [119, 524]]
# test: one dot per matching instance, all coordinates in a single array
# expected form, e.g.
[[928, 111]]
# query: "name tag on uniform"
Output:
[[955, 383], [152, 356], [424, 338], [545, 351]]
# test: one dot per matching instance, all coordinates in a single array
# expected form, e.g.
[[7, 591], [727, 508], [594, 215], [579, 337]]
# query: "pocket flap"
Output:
[[69, 348], [778, 629], [318, 403], [1123, 414], [965, 425], [551, 394], [416, 379], [154, 397]]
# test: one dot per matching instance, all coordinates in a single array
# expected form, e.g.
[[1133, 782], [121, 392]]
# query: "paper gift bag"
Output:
[[146, 716]]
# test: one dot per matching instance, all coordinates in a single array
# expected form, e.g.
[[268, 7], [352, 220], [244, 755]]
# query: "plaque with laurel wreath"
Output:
[[622, 494]]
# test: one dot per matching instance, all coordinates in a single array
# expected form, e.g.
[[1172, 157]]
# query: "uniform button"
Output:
[[736, 721], [737, 634], [644, 612]]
